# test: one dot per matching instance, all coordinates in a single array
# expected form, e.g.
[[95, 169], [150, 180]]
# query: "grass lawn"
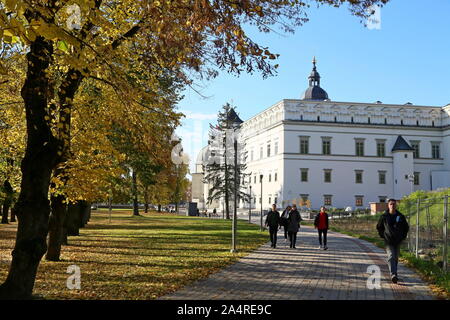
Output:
[[137, 257]]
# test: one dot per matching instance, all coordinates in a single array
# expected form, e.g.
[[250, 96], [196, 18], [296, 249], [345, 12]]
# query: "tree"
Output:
[[220, 169], [173, 34]]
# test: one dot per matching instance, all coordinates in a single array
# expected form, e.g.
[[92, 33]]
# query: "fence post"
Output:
[[417, 228], [444, 254], [409, 223]]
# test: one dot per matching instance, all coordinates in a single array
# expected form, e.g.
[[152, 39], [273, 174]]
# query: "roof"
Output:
[[315, 93], [233, 117], [401, 145]]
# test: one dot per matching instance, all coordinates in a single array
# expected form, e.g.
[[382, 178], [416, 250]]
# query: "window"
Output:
[[359, 146], [304, 175], [382, 177], [259, 199], [327, 175], [270, 177], [254, 179], [381, 149], [326, 146], [270, 198], [416, 178], [275, 177], [327, 200], [261, 152], [304, 199], [276, 147], [268, 149], [382, 199], [358, 176], [359, 200], [435, 150], [415, 146], [304, 145], [275, 200]]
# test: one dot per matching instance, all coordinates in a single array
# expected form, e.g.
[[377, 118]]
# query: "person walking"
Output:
[[321, 224], [293, 225], [393, 228], [284, 222], [273, 222]]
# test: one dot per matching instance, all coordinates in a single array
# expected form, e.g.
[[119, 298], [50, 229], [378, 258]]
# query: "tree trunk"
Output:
[[32, 207], [159, 208], [56, 227], [135, 195], [8, 201], [73, 219], [146, 200], [13, 215], [5, 211]]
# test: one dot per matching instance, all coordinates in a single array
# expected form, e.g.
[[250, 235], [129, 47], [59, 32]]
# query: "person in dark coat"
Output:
[[321, 224], [393, 228], [273, 222], [293, 225], [284, 221]]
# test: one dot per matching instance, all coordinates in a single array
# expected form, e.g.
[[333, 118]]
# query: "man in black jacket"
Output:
[[273, 222], [393, 228]]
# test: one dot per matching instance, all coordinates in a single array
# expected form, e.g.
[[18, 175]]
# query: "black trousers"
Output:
[[324, 232], [285, 232], [292, 238], [273, 235]]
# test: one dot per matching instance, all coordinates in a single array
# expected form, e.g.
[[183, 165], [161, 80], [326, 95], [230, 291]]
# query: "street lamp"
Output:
[[233, 248], [411, 179], [250, 206], [261, 199]]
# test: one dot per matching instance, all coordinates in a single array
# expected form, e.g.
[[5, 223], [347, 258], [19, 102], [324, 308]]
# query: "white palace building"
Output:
[[340, 154]]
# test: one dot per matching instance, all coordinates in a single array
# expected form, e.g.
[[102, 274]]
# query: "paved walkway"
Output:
[[339, 273]]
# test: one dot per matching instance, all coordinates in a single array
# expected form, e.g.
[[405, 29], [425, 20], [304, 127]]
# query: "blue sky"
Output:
[[406, 60]]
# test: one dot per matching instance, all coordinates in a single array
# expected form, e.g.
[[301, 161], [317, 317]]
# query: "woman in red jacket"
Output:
[[321, 224]]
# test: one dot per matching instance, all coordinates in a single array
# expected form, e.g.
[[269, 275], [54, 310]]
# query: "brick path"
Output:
[[340, 273]]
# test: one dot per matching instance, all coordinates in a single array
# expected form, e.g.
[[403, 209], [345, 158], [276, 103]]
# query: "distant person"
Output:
[[214, 212], [284, 222], [321, 224], [198, 212], [393, 228], [293, 225], [273, 222]]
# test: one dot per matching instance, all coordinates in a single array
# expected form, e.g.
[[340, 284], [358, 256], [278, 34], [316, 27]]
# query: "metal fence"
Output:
[[428, 233]]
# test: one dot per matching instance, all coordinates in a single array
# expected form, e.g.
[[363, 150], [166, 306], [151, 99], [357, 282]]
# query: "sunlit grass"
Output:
[[137, 257]]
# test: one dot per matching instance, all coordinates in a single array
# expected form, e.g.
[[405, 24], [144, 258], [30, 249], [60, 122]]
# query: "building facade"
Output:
[[322, 152]]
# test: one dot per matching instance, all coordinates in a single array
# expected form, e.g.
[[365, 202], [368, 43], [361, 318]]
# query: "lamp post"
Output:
[[411, 179], [233, 247], [250, 206], [261, 199]]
